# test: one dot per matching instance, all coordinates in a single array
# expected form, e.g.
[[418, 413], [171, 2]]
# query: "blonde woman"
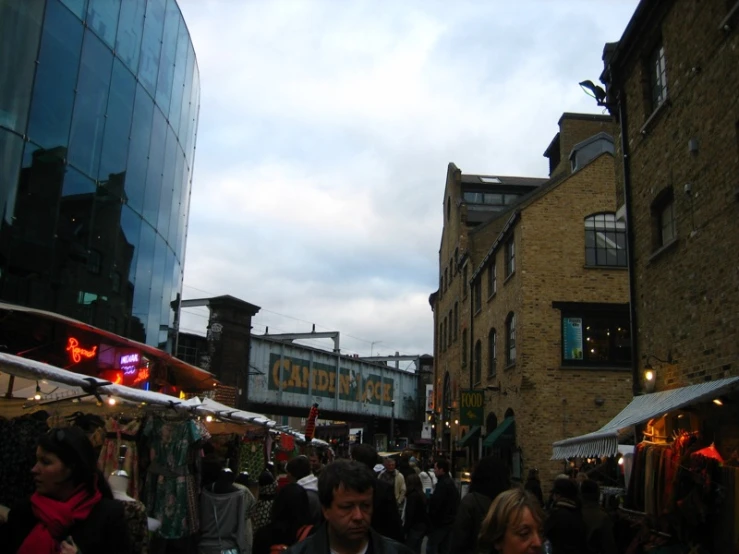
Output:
[[512, 524]]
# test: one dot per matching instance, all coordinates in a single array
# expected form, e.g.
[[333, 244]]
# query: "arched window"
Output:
[[478, 363], [510, 327], [492, 354], [605, 240]]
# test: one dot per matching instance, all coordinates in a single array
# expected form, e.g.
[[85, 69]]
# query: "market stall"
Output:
[[682, 488], [160, 443]]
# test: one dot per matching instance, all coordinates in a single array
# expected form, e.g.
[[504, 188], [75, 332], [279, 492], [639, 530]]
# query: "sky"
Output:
[[325, 131]]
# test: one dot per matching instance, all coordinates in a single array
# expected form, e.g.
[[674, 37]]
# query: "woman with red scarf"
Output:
[[72, 510]]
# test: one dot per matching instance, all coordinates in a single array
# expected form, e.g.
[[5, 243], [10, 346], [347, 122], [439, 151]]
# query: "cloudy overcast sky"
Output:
[[325, 132]]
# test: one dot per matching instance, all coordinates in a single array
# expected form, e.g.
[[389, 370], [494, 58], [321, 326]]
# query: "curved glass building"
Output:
[[99, 106]]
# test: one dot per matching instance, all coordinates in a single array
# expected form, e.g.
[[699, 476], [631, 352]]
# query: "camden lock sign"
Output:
[[295, 376], [472, 407]]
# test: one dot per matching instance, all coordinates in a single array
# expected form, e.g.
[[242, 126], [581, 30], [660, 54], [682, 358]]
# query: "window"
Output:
[[492, 280], [477, 292], [456, 320], [449, 330], [605, 240], [595, 334], [477, 377], [663, 217], [510, 326], [464, 282], [464, 347], [510, 257], [492, 354], [115, 282], [94, 261], [657, 76]]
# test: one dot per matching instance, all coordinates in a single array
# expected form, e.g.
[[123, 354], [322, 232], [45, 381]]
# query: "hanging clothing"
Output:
[[171, 488], [223, 521], [137, 522], [262, 513], [118, 434]]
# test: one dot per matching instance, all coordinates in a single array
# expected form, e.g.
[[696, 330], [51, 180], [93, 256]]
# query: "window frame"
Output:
[[657, 76], [492, 280], [663, 202], [510, 350], [510, 256], [492, 353], [595, 227], [589, 315]]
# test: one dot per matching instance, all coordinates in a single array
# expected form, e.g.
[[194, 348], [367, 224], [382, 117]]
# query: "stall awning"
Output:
[[604, 441], [498, 432], [470, 438]]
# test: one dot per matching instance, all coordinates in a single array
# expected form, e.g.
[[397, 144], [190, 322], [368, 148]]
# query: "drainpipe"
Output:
[[636, 389]]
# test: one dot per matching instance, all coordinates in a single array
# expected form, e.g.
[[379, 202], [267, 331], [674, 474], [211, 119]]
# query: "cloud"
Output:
[[324, 136]]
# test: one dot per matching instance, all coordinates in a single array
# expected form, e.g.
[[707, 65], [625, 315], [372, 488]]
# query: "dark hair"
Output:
[[365, 454], [490, 477], [352, 475], [298, 467], [413, 483], [589, 490], [266, 478], [290, 511], [74, 449], [566, 488], [443, 463]]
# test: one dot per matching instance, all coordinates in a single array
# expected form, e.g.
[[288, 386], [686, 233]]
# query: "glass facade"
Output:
[[99, 105]]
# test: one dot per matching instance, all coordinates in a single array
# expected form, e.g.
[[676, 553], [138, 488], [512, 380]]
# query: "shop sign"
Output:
[[572, 329], [292, 375], [129, 363], [77, 353], [472, 407]]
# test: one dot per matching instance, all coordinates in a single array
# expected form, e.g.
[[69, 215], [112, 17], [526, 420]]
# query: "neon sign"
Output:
[[76, 352], [129, 363], [142, 376]]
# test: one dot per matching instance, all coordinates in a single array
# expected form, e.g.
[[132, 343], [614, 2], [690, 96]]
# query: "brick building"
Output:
[[670, 82], [517, 278]]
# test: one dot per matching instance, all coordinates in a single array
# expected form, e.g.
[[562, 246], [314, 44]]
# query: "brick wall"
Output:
[[687, 295]]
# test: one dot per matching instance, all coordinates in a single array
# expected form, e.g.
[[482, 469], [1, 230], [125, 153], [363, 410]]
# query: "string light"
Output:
[[111, 401], [37, 396], [209, 418]]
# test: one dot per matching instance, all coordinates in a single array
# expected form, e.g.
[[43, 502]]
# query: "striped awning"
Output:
[[604, 441]]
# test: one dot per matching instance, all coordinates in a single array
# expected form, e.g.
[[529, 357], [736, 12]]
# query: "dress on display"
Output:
[[121, 434], [171, 490]]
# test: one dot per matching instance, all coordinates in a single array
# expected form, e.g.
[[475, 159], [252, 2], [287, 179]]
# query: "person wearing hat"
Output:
[[72, 510]]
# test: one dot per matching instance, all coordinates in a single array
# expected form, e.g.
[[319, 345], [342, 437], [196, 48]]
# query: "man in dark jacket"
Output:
[[565, 527], [346, 491], [598, 524], [385, 516], [442, 510], [299, 470]]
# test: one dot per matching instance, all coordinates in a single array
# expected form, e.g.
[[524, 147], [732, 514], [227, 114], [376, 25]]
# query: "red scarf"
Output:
[[55, 519]]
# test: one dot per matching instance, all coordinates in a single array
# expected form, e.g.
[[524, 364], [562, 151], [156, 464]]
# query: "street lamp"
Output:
[[392, 422]]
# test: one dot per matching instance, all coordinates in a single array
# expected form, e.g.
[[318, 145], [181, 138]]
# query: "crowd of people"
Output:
[[348, 506]]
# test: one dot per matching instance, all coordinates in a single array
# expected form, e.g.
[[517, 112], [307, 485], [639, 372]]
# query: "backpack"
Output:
[[303, 532]]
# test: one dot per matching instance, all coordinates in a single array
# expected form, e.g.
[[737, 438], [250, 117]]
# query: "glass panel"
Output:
[[151, 45], [164, 318], [142, 289], [77, 7], [186, 96], [178, 81], [167, 59], [56, 77], [177, 186], [130, 29], [20, 28], [102, 17], [128, 244], [88, 122], [143, 114], [157, 288], [193, 118], [156, 165], [11, 152], [117, 123], [165, 200]]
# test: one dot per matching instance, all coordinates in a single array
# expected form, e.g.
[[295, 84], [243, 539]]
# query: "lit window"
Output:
[[596, 335], [605, 241]]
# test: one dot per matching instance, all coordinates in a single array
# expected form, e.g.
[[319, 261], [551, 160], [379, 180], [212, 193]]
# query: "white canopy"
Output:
[[604, 441]]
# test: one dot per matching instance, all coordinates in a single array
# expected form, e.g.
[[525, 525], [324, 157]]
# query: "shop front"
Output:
[[682, 480]]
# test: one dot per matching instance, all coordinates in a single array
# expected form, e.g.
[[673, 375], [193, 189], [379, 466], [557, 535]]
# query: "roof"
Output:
[[188, 376], [604, 441], [503, 180]]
